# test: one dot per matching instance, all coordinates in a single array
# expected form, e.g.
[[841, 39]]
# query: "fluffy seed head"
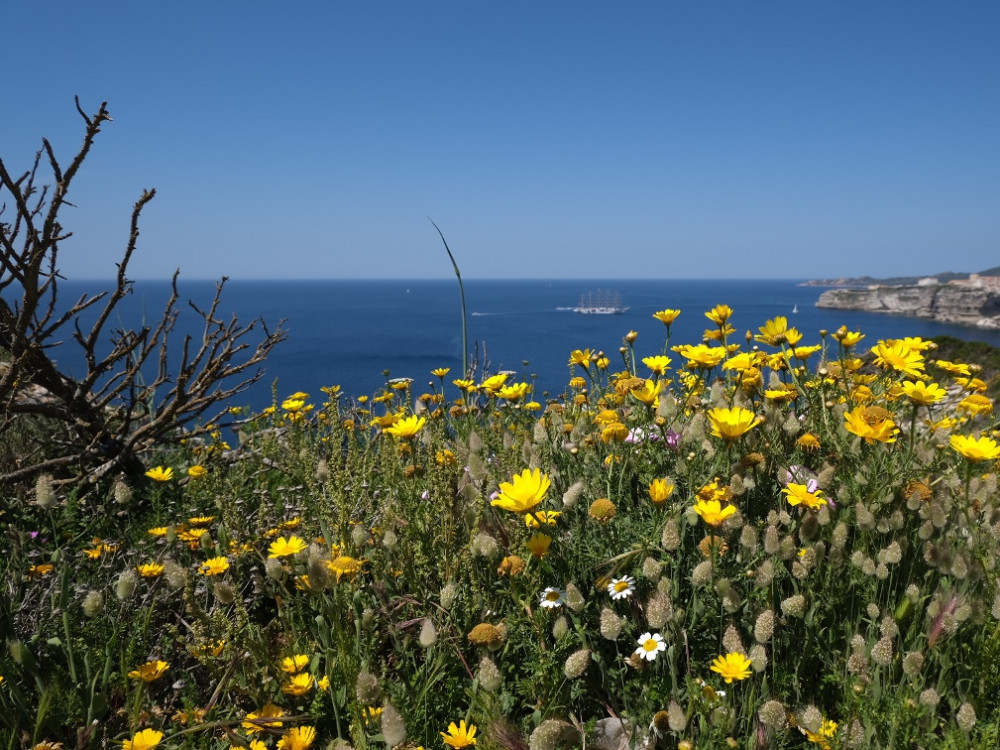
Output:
[[125, 587], [611, 624], [428, 633], [366, 688], [772, 715], [393, 726], [93, 603], [763, 629], [671, 537], [913, 662], [676, 719], [577, 663], [489, 675], [966, 717], [794, 606]]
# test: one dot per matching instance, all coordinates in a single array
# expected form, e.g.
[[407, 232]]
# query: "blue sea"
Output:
[[357, 333]]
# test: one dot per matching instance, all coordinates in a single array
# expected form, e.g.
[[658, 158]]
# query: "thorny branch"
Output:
[[103, 421]]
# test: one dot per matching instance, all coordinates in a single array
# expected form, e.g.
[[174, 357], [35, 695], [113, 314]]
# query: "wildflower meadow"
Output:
[[755, 541]]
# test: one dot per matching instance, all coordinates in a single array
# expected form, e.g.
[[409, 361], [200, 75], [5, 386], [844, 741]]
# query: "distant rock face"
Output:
[[945, 303]]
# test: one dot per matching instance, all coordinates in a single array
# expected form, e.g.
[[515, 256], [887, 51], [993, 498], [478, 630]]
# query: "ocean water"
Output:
[[357, 333]]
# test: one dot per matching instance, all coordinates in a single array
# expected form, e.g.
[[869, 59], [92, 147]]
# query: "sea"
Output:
[[358, 334]]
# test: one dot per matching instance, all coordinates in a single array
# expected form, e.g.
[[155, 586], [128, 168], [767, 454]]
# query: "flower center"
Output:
[[650, 644], [552, 596], [621, 586]]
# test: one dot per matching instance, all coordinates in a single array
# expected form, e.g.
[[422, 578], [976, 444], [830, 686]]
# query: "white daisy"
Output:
[[621, 588], [552, 597], [650, 644]]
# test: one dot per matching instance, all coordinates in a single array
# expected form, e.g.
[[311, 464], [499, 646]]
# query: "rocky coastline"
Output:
[[956, 302]]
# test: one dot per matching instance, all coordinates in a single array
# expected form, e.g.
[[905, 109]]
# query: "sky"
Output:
[[547, 139]]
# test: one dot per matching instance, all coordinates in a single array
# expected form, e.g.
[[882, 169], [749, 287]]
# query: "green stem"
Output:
[[461, 291]]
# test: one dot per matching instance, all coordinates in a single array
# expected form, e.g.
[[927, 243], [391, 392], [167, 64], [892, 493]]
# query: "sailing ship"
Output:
[[600, 303]]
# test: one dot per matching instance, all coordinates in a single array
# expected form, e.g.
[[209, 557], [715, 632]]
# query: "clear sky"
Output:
[[548, 139]]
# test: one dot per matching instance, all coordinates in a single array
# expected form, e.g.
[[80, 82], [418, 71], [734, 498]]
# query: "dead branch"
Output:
[[100, 422]]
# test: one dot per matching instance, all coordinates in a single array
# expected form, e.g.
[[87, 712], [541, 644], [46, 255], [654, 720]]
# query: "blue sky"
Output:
[[715, 139]]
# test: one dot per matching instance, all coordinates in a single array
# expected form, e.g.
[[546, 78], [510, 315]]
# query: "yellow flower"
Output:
[[197, 471], [660, 490], [440, 372], [615, 432], [342, 565], [160, 474], [514, 392], [538, 545], [974, 405], [151, 670], [580, 357], [293, 664], [730, 423], [804, 352], [894, 354], [143, 740], [37, 571], [460, 736], [799, 494], [658, 364], [718, 334], [923, 394], [712, 512], [649, 392], [847, 339], [492, 384], [157, 531], [667, 316], [524, 492], [465, 385], [150, 570], [293, 405], [871, 423], [808, 442], [701, 357], [407, 427], [602, 510], [537, 518], [297, 738], [732, 666], [485, 634], [954, 368], [254, 721], [743, 362], [975, 449], [282, 547], [512, 565], [719, 314], [214, 566], [773, 332], [298, 684]]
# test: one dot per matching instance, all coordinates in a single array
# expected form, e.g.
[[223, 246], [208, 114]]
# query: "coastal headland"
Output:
[[965, 299]]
